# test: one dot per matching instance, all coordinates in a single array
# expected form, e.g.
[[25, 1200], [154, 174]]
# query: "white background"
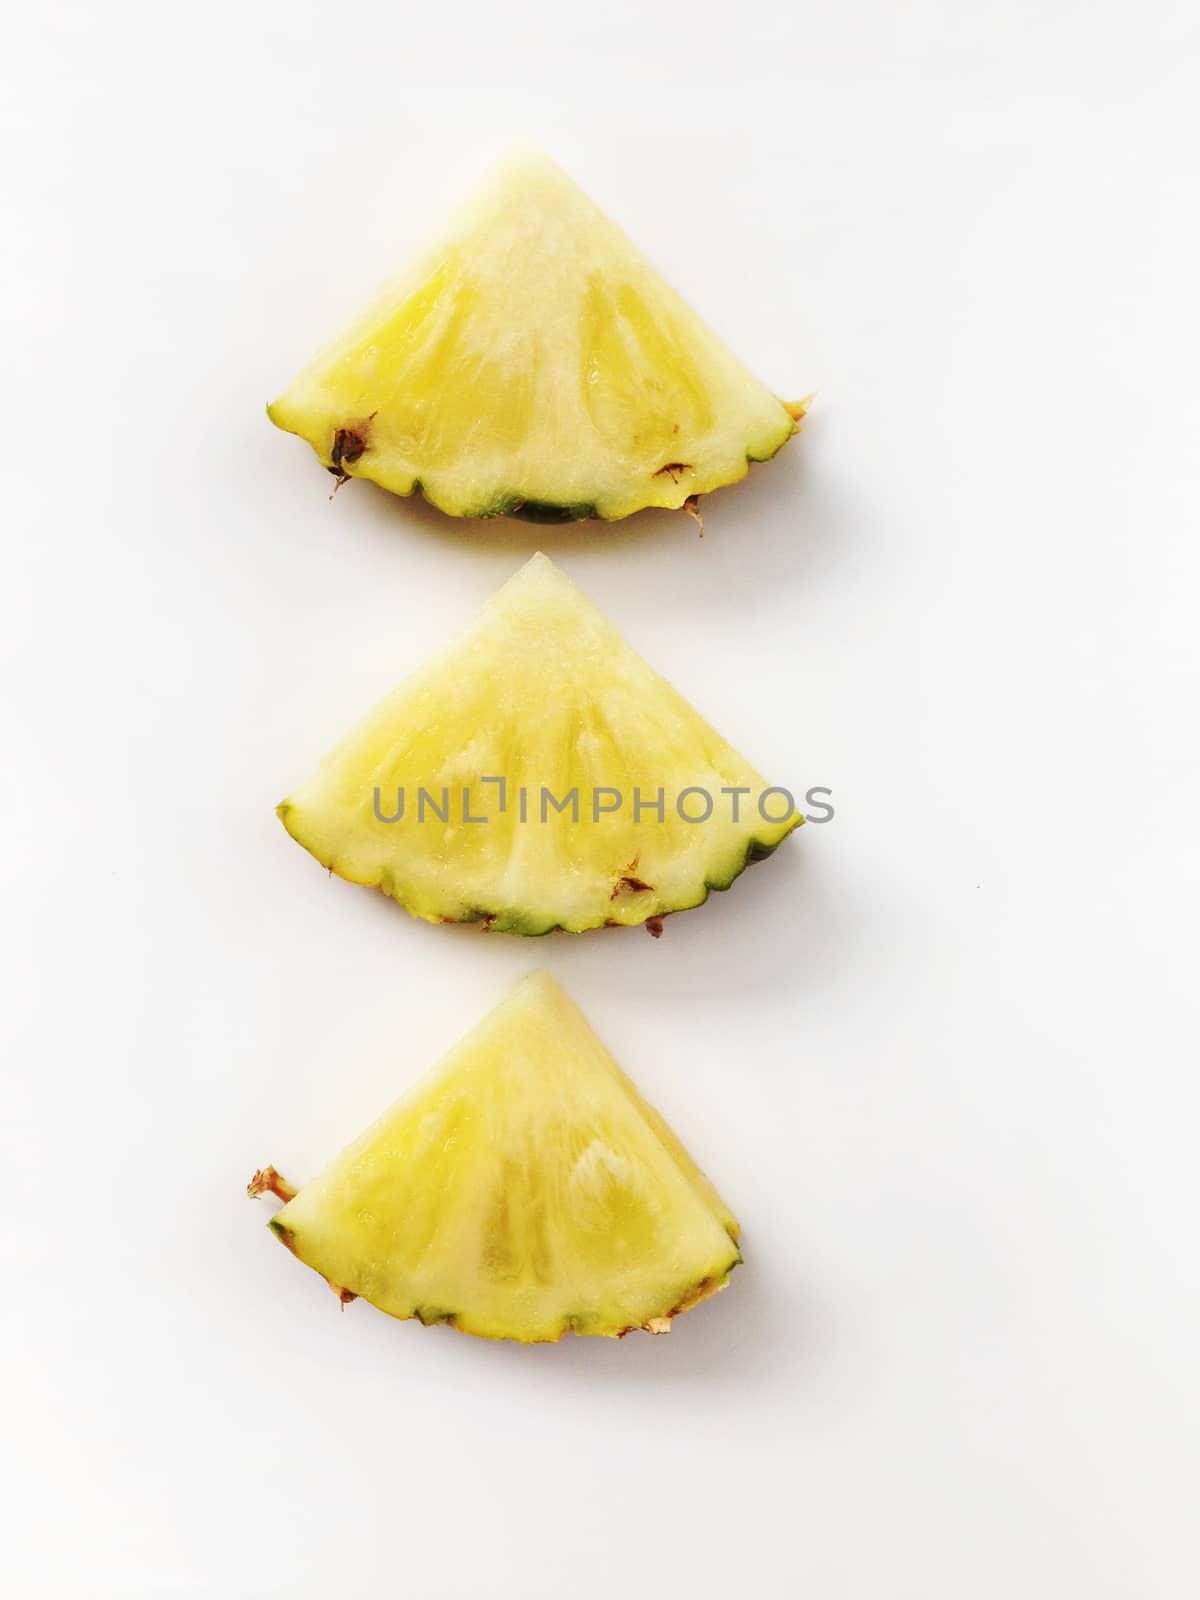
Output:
[[939, 1054]]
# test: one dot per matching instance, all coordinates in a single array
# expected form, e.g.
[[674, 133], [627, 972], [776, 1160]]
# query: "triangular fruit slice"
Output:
[[531, 362], [522, 1190], [537, 774]]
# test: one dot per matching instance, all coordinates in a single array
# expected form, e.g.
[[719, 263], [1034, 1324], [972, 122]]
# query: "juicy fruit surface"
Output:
[[542, 692], [532, 362], [521, 1191]]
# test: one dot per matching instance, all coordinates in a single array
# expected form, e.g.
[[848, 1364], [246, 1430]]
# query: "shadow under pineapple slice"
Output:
[[522, 1190], [532, 363], [537, 774]]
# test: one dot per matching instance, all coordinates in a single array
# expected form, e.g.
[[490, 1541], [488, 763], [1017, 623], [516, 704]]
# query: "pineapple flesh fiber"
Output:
[[537, 774], [532, 363], [522, 1190]]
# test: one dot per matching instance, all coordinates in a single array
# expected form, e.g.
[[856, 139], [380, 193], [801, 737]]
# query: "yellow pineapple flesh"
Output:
[[522, 1190], [531, 362]]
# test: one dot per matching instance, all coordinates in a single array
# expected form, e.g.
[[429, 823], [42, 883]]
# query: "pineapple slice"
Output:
[[537, 774], [522, 1190], [533, 363]]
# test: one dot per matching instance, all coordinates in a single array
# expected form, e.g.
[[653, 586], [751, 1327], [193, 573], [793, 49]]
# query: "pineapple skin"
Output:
[[528, 924]]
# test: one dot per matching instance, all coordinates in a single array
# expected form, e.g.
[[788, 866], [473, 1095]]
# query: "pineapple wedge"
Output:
[[537, 774], [522, 1190], [532, 363]]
